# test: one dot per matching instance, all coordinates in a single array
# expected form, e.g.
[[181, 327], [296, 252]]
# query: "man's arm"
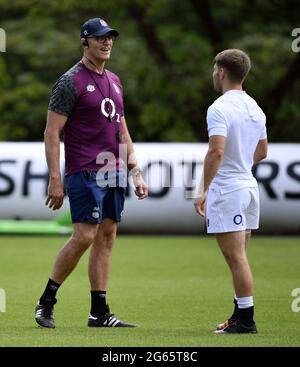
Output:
[[55, 124], [141, 186], [200, 190], [261, 151], [212, 163], [213, 159]]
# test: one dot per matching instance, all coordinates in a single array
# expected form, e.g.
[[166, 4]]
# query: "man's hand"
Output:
[[140, 186], [200, 203], [55, 196]]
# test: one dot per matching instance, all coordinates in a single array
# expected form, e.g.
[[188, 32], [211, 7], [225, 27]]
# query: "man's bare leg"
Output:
[[234, 247], [67, 259], [99, 265]]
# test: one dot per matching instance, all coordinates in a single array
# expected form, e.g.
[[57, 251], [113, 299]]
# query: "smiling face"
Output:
[[100, 47]]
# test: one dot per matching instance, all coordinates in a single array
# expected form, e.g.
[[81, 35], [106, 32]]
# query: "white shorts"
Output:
[[235, 211]]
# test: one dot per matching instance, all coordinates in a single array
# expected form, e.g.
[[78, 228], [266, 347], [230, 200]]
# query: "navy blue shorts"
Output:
[[91, 203]]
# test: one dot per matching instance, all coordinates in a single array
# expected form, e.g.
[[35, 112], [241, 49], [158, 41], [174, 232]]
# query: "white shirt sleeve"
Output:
[[216, 122], [263, 134]]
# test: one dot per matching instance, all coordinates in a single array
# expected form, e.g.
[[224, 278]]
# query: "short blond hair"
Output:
[[236, 62]]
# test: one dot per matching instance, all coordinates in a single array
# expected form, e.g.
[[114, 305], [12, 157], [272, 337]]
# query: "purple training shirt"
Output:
[[88, 130]]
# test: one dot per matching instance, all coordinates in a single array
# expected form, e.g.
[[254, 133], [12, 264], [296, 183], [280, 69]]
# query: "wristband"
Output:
[[134, 171]]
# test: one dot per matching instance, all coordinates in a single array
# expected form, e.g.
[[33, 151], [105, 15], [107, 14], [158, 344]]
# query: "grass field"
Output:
[[175, 288]]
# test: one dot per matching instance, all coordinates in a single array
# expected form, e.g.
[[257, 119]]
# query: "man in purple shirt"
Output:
[[87, 106]]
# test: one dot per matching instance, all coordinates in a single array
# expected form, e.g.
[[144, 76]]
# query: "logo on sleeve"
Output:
[[90, 88]]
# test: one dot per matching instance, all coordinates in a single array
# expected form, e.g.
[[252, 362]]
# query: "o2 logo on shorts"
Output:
[[238, 219]]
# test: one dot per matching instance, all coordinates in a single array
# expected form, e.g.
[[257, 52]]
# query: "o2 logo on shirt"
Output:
[[111, 111]]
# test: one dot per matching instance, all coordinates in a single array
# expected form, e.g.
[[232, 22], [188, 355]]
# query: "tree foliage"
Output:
[[164, 58]]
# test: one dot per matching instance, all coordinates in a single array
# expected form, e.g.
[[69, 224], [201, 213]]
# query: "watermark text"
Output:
[[2, 300], [296, 42], [2, 40], [296, 302]]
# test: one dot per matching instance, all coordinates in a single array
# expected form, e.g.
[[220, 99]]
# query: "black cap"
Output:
[[96, 27]]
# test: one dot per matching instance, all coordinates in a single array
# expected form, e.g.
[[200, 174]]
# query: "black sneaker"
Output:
[[44, 315], [237, 328], [107, 320]]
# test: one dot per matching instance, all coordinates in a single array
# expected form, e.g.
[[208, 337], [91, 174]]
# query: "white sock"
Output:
[[245, 302]]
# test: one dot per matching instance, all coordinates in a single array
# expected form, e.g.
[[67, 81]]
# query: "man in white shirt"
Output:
[[229, 197]]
